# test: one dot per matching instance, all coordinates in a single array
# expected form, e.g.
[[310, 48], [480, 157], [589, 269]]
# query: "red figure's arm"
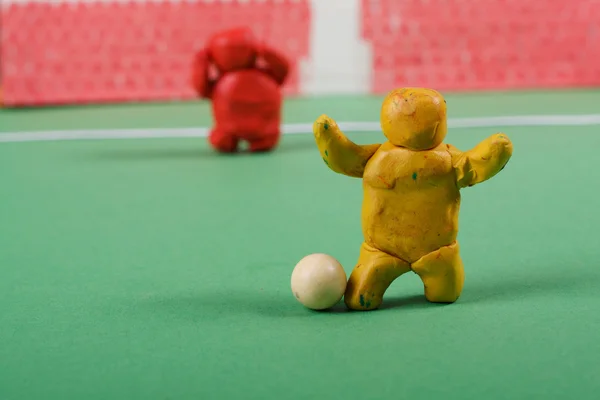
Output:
[[273, 63], [201, 80]]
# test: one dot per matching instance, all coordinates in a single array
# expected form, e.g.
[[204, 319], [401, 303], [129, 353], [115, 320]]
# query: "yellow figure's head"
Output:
[[414, 118]]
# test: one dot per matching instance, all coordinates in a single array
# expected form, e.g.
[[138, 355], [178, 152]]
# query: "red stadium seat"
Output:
[[56, 53], [492, 44]]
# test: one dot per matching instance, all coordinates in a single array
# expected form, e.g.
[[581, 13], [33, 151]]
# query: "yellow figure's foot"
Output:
[[442, 274], [373, 274]]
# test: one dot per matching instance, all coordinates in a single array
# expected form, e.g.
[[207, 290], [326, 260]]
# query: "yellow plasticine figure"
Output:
[[411, 195]]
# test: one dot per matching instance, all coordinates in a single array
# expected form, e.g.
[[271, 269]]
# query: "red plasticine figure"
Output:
[[243, 78]]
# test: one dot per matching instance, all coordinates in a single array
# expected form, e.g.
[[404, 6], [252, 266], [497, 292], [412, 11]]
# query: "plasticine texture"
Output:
[[411, 195], [243, 79]]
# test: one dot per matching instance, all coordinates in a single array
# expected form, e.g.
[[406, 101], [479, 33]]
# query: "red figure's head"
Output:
[[233, 49]]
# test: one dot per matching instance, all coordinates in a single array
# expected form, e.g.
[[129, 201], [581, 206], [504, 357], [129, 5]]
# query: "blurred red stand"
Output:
[[485, 44], [91, 52]]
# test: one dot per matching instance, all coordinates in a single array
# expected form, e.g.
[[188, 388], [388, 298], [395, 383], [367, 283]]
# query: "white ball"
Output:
[[318, 281]]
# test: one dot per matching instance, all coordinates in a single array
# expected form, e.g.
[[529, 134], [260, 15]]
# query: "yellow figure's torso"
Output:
[[411, 201]]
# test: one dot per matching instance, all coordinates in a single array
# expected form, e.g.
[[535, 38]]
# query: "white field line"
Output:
[[293, 129]]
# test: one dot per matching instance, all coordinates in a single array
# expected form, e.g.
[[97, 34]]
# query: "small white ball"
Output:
[[318, 281]]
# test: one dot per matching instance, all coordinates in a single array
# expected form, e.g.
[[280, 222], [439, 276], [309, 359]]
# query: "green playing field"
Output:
[[153, 268]]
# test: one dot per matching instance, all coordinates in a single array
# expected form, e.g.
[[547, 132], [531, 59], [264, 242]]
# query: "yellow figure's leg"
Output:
[[442, 274], [372, 275]]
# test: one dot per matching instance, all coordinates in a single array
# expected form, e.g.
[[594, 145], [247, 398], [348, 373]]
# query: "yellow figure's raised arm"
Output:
[[339, 153], [483, 161]]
